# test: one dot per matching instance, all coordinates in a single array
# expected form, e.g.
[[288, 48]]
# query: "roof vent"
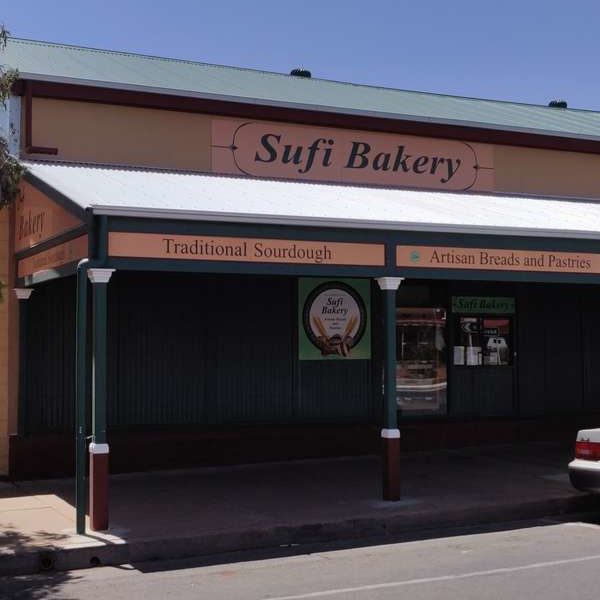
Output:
[[300, 72], [558, 103]]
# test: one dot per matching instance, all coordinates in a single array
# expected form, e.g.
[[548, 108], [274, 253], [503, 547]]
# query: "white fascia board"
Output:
[[302, 106], [155, 213]]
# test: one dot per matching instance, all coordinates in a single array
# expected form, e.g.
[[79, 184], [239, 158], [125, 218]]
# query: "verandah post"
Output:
[[81, 395], [99, 446], [390, 433]]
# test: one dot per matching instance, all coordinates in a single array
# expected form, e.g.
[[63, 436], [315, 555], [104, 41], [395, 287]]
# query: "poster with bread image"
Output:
[[334, 319]]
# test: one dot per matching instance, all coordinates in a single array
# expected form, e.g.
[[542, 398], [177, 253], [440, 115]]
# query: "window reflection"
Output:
[[421, 379], [483, 341]]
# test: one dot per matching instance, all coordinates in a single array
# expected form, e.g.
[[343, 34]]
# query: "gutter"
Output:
[[266, 219]]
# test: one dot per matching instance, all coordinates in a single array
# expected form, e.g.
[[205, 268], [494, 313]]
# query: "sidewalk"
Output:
[[210, 510]]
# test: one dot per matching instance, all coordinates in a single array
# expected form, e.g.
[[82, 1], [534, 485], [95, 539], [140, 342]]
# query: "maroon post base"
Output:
[[99, 487], [391, 468]]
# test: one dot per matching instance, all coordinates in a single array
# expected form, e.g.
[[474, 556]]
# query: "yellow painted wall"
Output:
[[546, 172], [122, 135], [126, 135]]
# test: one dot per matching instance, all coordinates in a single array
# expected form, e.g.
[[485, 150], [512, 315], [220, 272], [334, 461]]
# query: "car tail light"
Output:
[[587, 450]]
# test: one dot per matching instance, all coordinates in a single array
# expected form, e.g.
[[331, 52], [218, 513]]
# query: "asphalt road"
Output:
[[542, 559]]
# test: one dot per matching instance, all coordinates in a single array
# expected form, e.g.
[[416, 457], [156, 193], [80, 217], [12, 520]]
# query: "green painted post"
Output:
[[99, 449], [390, 420], [100, 359], [81, 396], [390, 433], [23, 295]]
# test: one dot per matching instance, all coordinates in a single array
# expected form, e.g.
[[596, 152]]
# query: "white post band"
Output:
[[23, 293], [390, 434], [100, 275], [98, 448], [389, 283]]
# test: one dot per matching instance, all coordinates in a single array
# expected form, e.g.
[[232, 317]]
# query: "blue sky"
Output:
[[527, 51]]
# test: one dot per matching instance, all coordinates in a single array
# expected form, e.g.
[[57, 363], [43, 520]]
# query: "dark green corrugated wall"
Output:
[[217, 350], [199, 350], [205, 350], [51, 357]]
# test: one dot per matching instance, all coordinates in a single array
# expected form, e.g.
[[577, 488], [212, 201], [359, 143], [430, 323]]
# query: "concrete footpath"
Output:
[[196, 512]]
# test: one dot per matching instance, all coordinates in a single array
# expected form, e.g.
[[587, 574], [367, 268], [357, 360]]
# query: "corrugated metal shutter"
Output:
[[253, 349], [158, 349], [51, 357], [336, 390], [199, 350]]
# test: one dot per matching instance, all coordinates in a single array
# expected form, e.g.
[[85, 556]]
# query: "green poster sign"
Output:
[[334, 319], [483, 305]]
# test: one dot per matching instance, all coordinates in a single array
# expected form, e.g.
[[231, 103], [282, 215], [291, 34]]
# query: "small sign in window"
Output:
[[483, 341]]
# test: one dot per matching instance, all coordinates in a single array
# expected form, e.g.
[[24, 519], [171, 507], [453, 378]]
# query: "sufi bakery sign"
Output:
[[263, 149], [333, 319], [37, 218]]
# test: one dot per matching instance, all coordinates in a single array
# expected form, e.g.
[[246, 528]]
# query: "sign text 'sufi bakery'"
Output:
[[265, 149], [38, 219], [359, 155]]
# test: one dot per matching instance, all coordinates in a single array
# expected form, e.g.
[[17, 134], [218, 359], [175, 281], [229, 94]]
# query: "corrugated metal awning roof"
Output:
[[200, 197], [122, 70]]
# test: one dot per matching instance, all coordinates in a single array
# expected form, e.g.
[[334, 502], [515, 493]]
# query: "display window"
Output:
[[482, 341], [421, 373]]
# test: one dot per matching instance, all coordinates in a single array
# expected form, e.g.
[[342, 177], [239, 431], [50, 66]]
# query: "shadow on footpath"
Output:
[[47, 583]]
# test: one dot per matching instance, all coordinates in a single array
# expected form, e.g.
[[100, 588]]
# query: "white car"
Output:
[[584, 471]]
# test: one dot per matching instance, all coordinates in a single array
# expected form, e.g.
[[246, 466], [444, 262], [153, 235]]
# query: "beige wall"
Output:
[[101, 133], [534, 171], [4, 324]]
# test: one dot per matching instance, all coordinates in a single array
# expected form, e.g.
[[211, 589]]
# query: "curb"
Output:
[[52, 558]]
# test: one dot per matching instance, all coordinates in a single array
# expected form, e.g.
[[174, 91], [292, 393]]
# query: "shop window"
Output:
[[421, 380], [482, 341]]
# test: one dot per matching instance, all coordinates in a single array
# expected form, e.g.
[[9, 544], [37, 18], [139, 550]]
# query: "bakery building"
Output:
[[214, 265]]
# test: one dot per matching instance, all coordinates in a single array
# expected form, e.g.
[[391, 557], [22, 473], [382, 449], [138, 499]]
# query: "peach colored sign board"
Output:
[[492, 259], [265, 149], [252, 250], [63, 254], [37, 218]]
